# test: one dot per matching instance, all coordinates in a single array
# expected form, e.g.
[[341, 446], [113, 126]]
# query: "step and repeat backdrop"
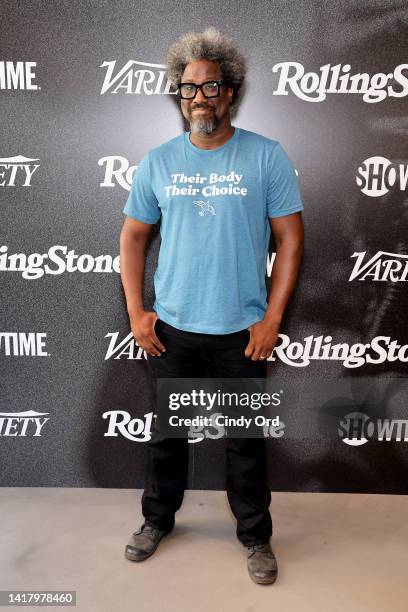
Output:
[[84, 97]]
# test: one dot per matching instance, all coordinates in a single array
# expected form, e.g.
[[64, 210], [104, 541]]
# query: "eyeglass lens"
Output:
[[209, 89]]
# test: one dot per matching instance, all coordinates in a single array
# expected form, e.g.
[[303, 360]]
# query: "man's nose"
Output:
[[200, 97]]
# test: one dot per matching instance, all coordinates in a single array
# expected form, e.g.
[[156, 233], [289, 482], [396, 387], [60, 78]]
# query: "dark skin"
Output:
[[288, 233]]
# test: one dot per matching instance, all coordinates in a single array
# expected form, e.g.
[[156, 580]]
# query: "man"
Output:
[[218, 191]]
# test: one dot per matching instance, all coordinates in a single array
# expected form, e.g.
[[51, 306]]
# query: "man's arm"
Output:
[[134, 238], [289, 235]]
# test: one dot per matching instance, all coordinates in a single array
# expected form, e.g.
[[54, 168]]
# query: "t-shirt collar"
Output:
[[222, 148]]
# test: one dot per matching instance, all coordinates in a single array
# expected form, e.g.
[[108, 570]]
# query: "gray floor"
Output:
[[335, 552]]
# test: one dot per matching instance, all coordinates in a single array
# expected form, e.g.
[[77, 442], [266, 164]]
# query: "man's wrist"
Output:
[[135, 312], [273, 320]]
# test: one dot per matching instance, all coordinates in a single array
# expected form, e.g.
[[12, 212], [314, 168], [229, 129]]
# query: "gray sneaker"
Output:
[[262, 564], [143, 543]]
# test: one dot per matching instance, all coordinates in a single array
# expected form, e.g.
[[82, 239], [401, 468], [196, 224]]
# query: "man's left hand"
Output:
[[262, 341]]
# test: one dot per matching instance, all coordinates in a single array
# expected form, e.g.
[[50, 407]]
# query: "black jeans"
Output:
[[191, 355]]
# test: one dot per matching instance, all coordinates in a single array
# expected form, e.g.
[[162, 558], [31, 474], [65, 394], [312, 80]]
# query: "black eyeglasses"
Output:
[[210, 89]]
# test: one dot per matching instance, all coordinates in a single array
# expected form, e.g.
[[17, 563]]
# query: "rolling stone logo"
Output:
[[121, 423], [135, 78], [382, 266], [58, 260], [118, 171], [313, 86], [296, 354], [378, 175]]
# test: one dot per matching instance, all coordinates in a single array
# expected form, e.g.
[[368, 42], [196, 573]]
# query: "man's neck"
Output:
[[214, 140]]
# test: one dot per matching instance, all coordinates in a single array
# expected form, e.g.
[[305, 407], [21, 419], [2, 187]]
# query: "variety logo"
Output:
[[136, 78], [21, 344], [17, 75], [313, 86], [127, 347], [22, 424], [61, 260], [382, 266], [357, 428], [117, 171], [377, 175], [17, 171]]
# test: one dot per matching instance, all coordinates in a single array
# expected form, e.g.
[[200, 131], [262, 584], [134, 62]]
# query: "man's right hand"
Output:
[[142, 326]]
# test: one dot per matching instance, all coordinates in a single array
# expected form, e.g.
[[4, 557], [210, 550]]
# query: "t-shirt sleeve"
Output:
[[142, 203], [283, 194]]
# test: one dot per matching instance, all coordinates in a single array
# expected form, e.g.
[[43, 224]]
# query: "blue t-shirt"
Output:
[[214, 206]]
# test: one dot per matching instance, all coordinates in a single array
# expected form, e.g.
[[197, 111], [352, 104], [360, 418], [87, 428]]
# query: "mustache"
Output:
[[201, 106]]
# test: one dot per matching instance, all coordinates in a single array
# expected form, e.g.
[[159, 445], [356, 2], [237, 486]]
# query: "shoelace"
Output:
[[257, 548]]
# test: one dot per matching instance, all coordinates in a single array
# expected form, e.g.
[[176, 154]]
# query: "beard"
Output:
[[203, 125]]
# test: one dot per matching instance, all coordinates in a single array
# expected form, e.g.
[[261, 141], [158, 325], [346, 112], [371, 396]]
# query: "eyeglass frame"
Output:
[[219, 82]]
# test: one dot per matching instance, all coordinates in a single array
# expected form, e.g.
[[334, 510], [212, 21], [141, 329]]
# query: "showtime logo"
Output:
[[136, 78], [21, 424], [313, 86], [17, 171], [377, 175], [17, 75], [22, 344], [357, 428], [297, 354], [57, 260], [382, 266]]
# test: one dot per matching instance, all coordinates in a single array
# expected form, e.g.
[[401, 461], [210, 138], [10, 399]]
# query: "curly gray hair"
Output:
[[208, 45]]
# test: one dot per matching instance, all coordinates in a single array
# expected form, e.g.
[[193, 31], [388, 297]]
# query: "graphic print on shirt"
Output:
[[204, 207], [214, 185]]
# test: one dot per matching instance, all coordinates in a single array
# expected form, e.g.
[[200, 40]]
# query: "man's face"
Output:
[[205, 114]]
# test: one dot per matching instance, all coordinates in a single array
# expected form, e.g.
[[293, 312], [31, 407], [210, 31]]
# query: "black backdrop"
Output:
[[81, 138]]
